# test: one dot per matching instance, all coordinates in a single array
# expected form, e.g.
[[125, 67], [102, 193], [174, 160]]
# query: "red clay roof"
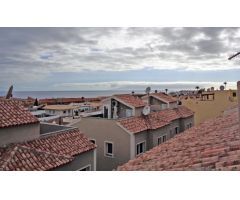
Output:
[[164, 97], [70, 143], [12, 113], [22, 158], [45, 153], [155, 119], [131, 100], [212, 145]]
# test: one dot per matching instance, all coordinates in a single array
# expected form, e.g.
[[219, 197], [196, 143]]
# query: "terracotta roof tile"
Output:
[[12, 113], [164, 97], [131, 100], [45, 153], [70, 143], [22, 158], [155, 119], [212, 145]]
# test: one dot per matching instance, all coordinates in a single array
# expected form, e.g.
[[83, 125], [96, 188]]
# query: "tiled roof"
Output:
[[45, 153], [155, 119], [164, 97], [22, 158], [12, 113], [70, 143], [212, 145], [131, 100]]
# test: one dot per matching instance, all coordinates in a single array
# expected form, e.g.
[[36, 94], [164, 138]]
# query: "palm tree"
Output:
[[225, 83], [166, 90]]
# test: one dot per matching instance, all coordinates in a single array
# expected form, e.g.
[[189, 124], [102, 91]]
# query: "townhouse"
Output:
[[124, 132], [27, 144]]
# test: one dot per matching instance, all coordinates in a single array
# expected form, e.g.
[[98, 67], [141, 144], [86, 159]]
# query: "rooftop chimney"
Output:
[[238, 96]]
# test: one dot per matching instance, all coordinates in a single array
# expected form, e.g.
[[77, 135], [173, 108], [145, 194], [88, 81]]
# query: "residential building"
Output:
[[123, 132], [43, 117], [61, 110], [212, 145], [25, 144], [215, 101]]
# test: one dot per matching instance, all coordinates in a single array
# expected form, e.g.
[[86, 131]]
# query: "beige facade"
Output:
[[125, 144], [106, 130], [20, 133]]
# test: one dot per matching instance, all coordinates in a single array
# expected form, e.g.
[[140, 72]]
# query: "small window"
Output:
[[176, 130], [109, 149], [64, 111], [140, 148], [160, 140], [234, 94], [86, 168], [164, 138], [93, 141]]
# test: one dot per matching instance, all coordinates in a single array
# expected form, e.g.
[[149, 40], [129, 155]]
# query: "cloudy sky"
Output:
[[117, 58]]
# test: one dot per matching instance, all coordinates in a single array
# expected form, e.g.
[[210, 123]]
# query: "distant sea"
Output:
[[64, 94]]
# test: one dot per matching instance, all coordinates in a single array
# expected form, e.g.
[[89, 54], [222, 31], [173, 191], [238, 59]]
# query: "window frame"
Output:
[[165, 138], [92, 140], [106, 154], [161, 137], [144, 147], [86, 166]]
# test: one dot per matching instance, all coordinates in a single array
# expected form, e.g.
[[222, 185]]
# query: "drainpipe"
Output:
[[238, 96]]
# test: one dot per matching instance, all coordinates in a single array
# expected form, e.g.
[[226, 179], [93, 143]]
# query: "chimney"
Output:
[[238, 96]]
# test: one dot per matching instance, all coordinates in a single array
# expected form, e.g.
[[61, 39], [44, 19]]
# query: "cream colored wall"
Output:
[[209, 109], [107, 130], [19, 133]]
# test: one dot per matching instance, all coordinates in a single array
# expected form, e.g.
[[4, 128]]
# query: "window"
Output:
[[176, 130], [160, 140], [234, 94], [64, 112], [164, 138], [140, 148], [109, 149], [86, 168], [93, 141]]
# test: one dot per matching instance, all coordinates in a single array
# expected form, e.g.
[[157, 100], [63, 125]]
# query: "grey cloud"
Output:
[[33, 53]]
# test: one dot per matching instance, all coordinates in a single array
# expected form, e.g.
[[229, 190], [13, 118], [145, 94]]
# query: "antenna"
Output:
[[233, 56], [9, 93]]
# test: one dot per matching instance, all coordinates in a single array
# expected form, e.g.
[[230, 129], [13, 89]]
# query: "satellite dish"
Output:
[[146, 110], [148, 90]]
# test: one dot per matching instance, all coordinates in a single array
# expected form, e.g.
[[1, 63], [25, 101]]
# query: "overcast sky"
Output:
[[117, 58]]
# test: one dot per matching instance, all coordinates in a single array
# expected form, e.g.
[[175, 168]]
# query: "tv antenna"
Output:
[[233, 56]]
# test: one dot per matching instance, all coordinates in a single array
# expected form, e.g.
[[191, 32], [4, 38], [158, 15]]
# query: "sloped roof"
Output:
[[155, 119], [131, 100], [22, 158], [164, 97], [12, 113], [45, 153], [70, 143], [212, 145]]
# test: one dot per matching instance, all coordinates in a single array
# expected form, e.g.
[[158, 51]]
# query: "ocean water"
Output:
[[64, 94]]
